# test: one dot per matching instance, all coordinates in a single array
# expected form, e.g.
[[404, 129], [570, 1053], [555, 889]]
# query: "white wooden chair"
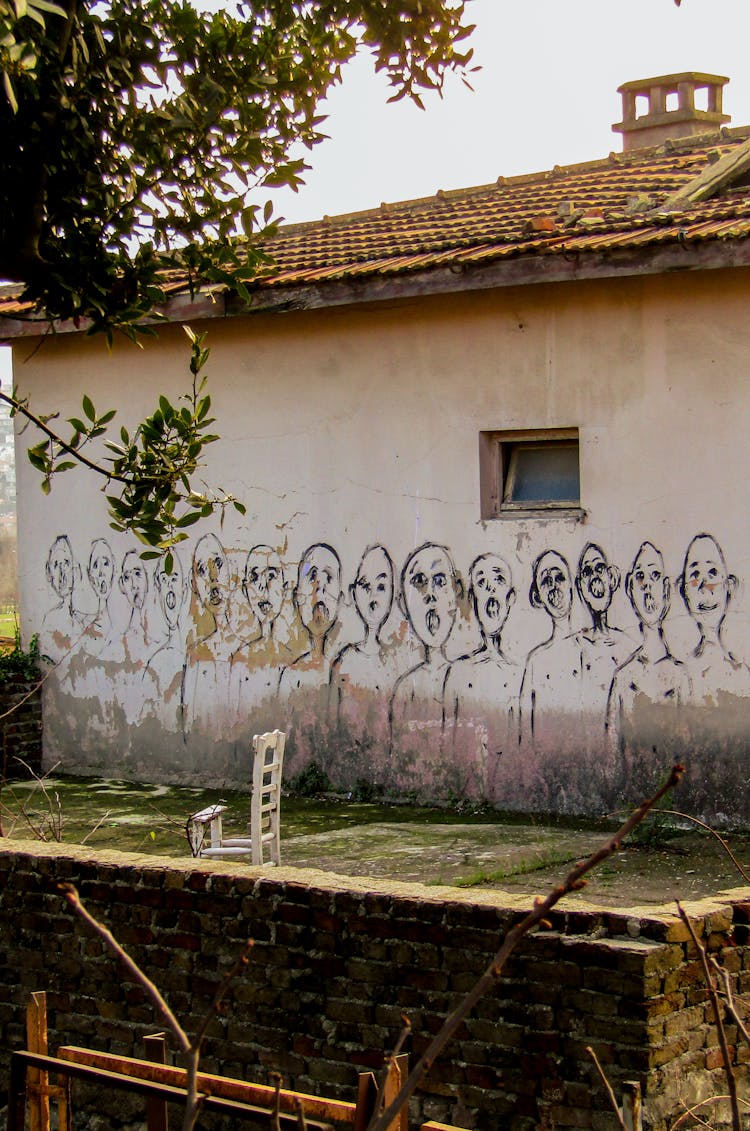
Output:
[[265, 825]]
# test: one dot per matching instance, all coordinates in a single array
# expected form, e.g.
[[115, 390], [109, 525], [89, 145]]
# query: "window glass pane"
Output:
[[544, 474]]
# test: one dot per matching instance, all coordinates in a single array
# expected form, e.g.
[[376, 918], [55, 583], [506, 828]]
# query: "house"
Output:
[[493, 447]]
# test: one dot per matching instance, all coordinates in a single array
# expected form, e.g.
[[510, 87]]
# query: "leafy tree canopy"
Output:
[[133, 132]]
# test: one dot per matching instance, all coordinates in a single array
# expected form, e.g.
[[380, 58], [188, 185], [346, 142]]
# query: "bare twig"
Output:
[[689, 1112], [718, 1020], [73, 900], [96, 827], [702, 824], [574, 881], [730, 1005], [607, 1087], [190, 1049], [50, 824], [389, 1061]]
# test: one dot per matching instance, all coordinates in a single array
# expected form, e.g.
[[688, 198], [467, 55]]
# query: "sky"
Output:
[[546, 95]]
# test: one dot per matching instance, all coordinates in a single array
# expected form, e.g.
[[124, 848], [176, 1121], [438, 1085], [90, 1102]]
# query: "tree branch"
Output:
[[19, 406], [574, 881], [721, 1032]]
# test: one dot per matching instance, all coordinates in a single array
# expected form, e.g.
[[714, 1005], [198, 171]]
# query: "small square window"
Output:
[[529, 472]]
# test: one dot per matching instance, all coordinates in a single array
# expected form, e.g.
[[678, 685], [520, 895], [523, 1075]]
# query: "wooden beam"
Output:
[[157, 1117], [220, 1086], [37, 1081], [21, 1061]]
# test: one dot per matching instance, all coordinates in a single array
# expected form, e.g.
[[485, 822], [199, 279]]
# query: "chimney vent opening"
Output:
[[670, 106]]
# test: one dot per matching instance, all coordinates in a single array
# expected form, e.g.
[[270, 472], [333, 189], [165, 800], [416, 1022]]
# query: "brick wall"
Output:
[[20, 731], [334, 966]]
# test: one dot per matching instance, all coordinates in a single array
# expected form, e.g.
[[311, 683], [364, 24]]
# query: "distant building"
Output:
[[7, 463]]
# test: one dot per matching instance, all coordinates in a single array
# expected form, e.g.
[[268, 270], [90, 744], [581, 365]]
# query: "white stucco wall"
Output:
[[359, 426]]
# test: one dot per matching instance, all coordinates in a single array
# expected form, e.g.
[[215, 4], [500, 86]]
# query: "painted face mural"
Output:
[[706, 585], [373, 587], [134, 580], [552, 585], [210, 573], [318, 591], [492, 593], [648, 586], [101, 567], [428, 583], [60, 567], [263, 583], [597, 580], [171, 590]]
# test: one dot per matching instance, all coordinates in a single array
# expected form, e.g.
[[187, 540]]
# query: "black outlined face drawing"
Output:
[[372, 588], [171, 590], [318, 592], [491, 592], [648, 586], [263, 584], [210, 573], [430, 592], [134, 580], [101, 568], [551, 586], [597, 581], [60, 567], [706, 585]]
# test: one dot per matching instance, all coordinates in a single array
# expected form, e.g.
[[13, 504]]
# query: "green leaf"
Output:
[[88, 409], [189, 519]]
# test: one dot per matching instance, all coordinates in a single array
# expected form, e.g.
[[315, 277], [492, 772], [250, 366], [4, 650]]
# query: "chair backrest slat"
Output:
[[265, 824]]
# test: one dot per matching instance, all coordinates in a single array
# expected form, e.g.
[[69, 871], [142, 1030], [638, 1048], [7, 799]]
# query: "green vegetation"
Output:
[[137, 136], [18, 662], [8, 622], [524, 865], [520, 855]]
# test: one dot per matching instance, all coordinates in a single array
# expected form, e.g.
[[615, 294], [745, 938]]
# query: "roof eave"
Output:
[[510, 271], [516, 271]]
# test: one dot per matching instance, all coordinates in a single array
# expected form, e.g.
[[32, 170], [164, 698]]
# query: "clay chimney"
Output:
[[665, 107]]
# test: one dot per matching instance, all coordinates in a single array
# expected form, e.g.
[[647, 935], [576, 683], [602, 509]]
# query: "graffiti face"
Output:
[[134, 580], [171, 589], [552, 585], [706, 586], [60, 567], [101, 568], [210, 573], [429, 589], [648, 586], [263, 583], [492, 593], [373, 587], [318, 591], [597, 580]]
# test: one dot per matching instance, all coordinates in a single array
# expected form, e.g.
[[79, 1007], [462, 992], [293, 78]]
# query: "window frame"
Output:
[[497, 472]]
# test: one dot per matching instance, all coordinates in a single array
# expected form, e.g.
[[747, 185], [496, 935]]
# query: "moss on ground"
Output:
[[456, 847]]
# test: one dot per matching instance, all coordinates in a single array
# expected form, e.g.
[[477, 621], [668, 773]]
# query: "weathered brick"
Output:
[[332, 971]]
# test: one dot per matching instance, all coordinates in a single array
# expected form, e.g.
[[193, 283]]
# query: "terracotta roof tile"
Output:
[[598, 207]]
